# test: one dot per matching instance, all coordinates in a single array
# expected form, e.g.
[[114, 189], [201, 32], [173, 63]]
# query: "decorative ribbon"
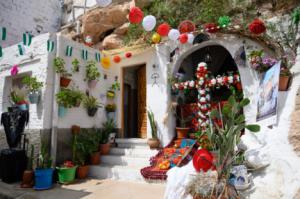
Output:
[[21, 49], [27, 39], [50, 46], [69, 51], [84, 54], [98, 57], [3, 33]]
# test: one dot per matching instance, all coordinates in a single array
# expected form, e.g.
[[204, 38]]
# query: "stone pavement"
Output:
[[89, 189]]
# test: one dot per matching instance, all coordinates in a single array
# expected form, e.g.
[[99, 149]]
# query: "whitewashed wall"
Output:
[[79, 115], [34, 16]]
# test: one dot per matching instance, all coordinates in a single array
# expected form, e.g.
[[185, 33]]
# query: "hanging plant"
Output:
[[92, 74], [59, 67], [91, 104], [34, 86], [75, 66], [257, 27]]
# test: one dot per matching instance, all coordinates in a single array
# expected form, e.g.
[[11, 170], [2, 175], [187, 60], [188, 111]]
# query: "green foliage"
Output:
[[92, 72], [115, 86], [32, 83], [44, 160], [134, 33], [110, 108], [17, 96], [75, 65], [69, 97], [152, 124], [87, 142], [108, 127], [30, 158], [90, 102], [224, 139]]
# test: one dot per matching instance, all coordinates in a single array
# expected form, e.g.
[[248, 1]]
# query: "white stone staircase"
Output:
[[125, 161]]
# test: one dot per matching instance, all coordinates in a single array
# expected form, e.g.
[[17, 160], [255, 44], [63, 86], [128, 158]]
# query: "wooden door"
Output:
[[142, 103]]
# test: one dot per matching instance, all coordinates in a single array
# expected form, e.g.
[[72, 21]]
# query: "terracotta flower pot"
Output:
[[64, 82], [284, 83], [82, 171], [28, 179], [153, 143], [105, 148], [95, 158], [75, 129], [182, 132]]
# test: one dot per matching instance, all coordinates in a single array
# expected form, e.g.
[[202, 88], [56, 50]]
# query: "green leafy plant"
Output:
[[108, 127], [44, 160], [91, 102], [69, 97], [32, 83], [59, 67], [75, 65], [115, 86], [92, 72], [153, 124], [76, 96], [18, 96]]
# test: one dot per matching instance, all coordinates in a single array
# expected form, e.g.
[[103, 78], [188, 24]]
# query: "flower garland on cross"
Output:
[[204, 84]]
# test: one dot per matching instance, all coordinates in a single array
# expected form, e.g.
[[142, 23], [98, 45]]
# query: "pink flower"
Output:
[[14, 70]]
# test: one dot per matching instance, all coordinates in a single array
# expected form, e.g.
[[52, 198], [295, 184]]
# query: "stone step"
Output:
[[117, 172], [136, 152], [132, 143], [125, 160]]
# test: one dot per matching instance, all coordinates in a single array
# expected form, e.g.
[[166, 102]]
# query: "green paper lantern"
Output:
[[296, 16], [224, 21]]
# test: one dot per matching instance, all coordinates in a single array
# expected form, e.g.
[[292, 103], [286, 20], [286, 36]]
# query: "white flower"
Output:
[[202, 92], [192, 84], [219, 80], [203, 99], [230, 79], [208, 97], [213, 81]]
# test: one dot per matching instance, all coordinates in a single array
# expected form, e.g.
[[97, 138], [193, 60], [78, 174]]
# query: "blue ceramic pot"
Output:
[[23, 107], [43, 179], [62, 111], [34, 97], [111, 115]]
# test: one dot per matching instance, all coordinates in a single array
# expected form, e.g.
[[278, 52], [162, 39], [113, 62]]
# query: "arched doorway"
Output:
[[219, 63]]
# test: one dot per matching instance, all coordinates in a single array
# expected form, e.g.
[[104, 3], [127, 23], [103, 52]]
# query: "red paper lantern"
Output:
[[163, 29], [186, 27], [128, 55], [257, 27], [136, 15], [203, 160], [117, 59], [211, 27], [183, 38]]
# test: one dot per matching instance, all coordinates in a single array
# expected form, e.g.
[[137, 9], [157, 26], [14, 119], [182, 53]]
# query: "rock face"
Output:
[[101, 22], [112, 41], [294, 135]]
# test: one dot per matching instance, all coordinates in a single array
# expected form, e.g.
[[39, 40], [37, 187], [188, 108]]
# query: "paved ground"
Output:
[[89, 189]]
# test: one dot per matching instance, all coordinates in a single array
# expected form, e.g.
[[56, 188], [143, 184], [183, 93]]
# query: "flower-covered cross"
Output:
[[204, 84]]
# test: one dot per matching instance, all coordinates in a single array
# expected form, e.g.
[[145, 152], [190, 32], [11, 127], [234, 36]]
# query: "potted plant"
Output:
[[182, 130], [111, 92], [75, 129], [110, 110], [59, 67], [224, 141], [154, 141], [91, 104], [92, 74], [34, 87], [43, 172], [284, 79], [108, 128], [64, 100], [66, 173], [28, 174], [75, 66], [94, 144], [18, 97], [76, 96]]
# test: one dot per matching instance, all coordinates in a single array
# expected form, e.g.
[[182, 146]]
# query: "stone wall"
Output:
[[34, 16]]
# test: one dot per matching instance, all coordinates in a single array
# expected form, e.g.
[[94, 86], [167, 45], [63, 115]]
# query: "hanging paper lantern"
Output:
[[257, 27], [14, 70], [191, 38], [203, 160], [163, 29], [174, 34], [183, 38], [211, 28], [128, 55], [186, 27], [135, 15], [117, 59], [149, 23], [105, 61], [156, 38], [104, 3], [224, 21]]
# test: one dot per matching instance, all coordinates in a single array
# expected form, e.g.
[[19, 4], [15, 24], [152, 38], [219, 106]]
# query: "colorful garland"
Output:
[[204, 84]]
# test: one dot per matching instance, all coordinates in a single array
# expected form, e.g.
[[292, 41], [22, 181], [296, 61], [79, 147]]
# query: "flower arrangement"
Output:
[[260, 63]]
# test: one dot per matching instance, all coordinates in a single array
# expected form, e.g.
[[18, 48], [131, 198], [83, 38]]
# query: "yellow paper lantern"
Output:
[[156, 38], [105, 62]]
